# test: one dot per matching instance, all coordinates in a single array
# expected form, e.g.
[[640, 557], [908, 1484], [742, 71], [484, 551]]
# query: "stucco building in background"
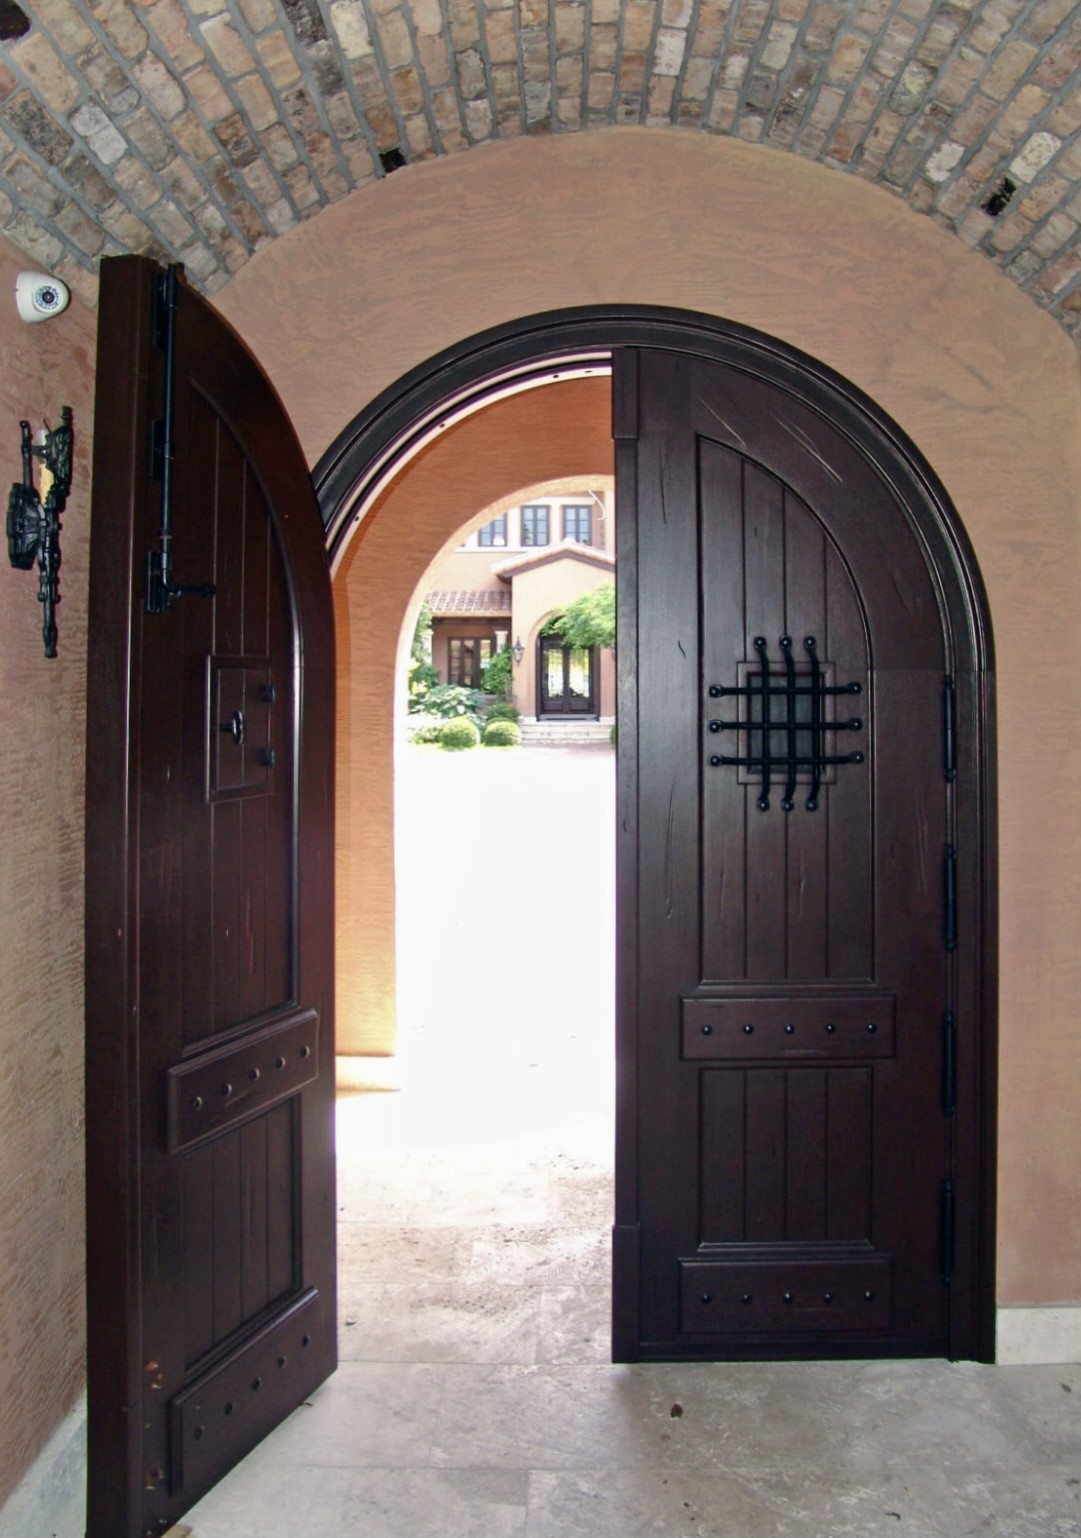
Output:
[[515, 571]]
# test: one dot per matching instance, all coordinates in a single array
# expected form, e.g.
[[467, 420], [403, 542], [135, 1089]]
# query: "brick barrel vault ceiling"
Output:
[[200, 130]]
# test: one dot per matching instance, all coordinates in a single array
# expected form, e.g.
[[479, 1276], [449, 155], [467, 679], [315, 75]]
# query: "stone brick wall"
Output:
[[201, 129]]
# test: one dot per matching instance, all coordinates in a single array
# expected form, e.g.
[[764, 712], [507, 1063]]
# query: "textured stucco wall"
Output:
[[984, 383], [42, 368]]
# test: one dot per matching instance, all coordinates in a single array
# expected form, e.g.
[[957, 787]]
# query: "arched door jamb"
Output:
[[536, 349]]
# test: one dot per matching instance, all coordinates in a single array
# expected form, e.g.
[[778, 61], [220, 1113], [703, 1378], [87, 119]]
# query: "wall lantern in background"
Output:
[[519, 651], [33, 524]]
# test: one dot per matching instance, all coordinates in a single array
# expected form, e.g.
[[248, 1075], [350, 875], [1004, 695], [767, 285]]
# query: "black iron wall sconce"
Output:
[[34, 523]]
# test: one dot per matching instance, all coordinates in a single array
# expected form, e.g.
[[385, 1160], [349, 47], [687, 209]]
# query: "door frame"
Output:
[[386, 434]]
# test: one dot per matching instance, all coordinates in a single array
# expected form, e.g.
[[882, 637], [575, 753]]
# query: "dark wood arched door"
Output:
[[795, 912], [210, 1039]]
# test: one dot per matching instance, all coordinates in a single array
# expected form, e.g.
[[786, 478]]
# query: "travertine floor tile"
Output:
[[687, 1503], [541, 1255], [1048, 1400], [439, 1322], [369, 1414], [1007, 1502], [554, 1417], [575, 1324], [430, 1503], [389, 1252], [264, 1499]]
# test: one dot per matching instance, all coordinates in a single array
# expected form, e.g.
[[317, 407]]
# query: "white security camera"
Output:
[[40, 297]]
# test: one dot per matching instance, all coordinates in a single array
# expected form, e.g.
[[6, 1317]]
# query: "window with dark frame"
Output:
[[578, 523], [467, 657], [494, 532], [535, 523]]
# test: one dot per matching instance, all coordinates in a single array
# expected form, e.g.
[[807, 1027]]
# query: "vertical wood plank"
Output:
[[766, 859], [198, 1200], [848, 1154], [278, 913], [807, 893], [229, 556], [194, 562], [257, 540], [722, 1219], [847, 804], [252, 948], [283, 1176], [765, 1157], [255, 1285], [805, 1156], [226, 1224], [724, 800], [225, 882], [911, 831]]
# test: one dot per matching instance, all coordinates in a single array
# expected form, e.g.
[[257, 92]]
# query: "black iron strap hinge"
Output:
[[949, 895], [949, 1063], [949, 729], [948, 1232], [161, 591], [157, 449]]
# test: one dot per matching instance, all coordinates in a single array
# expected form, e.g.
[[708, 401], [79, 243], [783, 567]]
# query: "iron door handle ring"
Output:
[[235, 726]]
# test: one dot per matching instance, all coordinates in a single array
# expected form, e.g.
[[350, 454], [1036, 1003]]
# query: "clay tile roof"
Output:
[[487, 602]]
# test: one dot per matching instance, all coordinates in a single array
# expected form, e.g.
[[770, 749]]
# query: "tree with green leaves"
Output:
[[497, 677], [589, 621], [422, 675]]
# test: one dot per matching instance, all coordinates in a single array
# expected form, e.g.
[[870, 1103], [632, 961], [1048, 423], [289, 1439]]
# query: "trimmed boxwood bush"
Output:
[[502, 734], [503, 710], [459, 734]]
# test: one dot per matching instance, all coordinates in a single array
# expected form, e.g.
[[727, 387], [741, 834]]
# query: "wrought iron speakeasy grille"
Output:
[[786, 724]]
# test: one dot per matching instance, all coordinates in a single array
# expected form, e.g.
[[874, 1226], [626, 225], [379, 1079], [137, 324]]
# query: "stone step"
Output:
[[555, 733]]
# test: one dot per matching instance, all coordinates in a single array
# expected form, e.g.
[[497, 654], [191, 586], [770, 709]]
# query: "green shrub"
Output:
[[422, 678], [449, 701], [496, 677], [612, 734], [503, 710], [502, 734], [427, 731], [458, 734]]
